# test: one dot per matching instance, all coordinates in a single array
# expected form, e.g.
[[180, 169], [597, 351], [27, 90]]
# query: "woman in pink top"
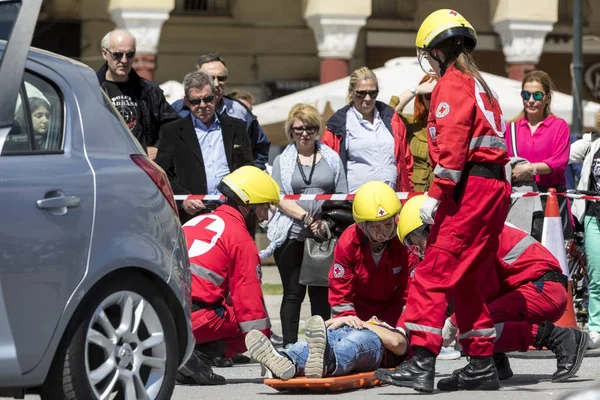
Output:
[[542, 139]]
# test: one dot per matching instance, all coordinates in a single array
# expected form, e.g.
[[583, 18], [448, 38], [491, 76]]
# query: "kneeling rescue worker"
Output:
[[525, 296], [227, 299], [467, 205]]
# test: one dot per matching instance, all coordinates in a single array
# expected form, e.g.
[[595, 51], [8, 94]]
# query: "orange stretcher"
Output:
[[328, 384]]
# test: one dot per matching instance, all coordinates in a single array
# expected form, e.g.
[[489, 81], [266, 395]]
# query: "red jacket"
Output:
[[225, 262], [358, 287], [335, 134], [463, 127]]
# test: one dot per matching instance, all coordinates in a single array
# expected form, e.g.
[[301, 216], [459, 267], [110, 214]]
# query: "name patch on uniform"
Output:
[[442, 110], [432, 132], [338, 271], [396, 270]]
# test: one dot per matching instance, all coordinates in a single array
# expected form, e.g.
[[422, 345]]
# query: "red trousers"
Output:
[[209, 325], [459, 259], [518, 314]]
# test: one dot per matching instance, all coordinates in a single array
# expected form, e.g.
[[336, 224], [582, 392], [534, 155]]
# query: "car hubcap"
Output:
[[125, 349]]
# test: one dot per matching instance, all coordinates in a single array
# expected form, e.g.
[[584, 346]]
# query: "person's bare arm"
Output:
[[391, 338], [291, 208]]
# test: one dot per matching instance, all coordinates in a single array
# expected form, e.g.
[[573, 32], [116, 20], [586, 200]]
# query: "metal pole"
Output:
[[577, 66]]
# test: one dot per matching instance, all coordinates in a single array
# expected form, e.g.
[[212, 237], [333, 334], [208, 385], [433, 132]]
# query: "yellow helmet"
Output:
[[250, 185], [375, 201], [443, 24], [410, 218]]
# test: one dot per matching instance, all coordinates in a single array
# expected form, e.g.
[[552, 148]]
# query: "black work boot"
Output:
[[479, 374], [417, 373], [568, 344], [502, 366], [197, 371], [321, 359], [222, 362]]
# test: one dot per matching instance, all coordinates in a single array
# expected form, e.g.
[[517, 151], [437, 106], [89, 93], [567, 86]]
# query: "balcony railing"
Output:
[[203, 7]]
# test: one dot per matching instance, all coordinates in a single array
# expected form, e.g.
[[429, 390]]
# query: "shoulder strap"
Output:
[[513, 138]]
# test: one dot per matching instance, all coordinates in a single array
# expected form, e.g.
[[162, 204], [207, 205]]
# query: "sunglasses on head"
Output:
[[311, 130], [537, 96], [364, 93], [118, 55], [220, 78], [208, 99]]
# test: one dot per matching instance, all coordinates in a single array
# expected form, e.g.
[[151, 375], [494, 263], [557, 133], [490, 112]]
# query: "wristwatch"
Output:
[[413, 91]]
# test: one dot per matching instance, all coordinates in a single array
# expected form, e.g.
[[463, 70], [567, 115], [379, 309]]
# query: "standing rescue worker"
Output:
[[227, 299], [525, 296], [468, 203]]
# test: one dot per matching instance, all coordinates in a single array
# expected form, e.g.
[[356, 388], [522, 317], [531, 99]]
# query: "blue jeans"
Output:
[[355, 351]]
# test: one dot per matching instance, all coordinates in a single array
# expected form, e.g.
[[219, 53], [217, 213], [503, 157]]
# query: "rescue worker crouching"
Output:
[[525, 296], [367, 290], [227, 299]]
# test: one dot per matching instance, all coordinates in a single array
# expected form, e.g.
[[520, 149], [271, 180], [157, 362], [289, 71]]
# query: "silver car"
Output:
[[94, 277]]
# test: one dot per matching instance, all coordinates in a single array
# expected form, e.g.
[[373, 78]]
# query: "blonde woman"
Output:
[[370, 137], [306, 166]]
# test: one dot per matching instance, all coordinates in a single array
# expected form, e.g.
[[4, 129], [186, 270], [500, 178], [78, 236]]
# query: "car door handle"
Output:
[[59, 202]]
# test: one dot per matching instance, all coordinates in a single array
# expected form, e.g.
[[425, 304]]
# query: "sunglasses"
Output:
[[311, 130], [118, 55], [220, 78], [207, 100], [364, 93], [537, 96]]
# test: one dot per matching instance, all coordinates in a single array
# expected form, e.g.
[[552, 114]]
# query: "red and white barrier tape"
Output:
[[346, 197]]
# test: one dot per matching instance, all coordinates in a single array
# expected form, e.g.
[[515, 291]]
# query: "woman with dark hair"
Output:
[[543, 140], [40, 119], [466, 207], [416, 130]]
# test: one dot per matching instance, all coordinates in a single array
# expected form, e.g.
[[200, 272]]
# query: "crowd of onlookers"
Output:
[[201, 138]]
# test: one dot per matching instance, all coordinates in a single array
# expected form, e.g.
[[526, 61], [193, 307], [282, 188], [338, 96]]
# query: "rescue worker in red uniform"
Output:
[[227, 299], [367, 290], [467, 205], [527, 294]]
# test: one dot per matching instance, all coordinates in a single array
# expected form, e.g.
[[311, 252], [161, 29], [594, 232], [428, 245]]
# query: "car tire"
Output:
[[93, 358]]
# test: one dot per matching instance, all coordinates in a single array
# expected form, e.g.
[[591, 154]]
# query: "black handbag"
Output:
[[317, 260]]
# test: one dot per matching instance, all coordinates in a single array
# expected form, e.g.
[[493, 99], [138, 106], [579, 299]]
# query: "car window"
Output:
[[38, 126], [8, 16]]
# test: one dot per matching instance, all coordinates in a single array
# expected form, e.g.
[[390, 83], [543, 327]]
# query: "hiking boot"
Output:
[[418, 372], [198, 371], [261, 349], [321, 359], [502, 366], [568, 344], [222, 362], [479, 374]]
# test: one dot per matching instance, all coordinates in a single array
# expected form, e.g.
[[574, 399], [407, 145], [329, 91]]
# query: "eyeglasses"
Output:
[[118, 55], [427, 96], [311, 130], [537, 96], [207, 100], [220, 78], [364, 93]]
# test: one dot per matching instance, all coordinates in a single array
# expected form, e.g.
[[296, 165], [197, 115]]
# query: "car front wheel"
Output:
[[122, 346]]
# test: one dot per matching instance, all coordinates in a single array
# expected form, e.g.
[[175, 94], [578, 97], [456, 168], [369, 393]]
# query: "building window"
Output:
[[203, 7], [565, 12], [403, 10]]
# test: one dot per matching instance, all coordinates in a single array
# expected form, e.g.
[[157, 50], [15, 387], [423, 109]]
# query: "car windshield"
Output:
[[8, 15]]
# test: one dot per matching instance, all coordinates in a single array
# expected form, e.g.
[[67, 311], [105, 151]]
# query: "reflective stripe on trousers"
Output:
[[258, 324], [423, 328], [490, 332]]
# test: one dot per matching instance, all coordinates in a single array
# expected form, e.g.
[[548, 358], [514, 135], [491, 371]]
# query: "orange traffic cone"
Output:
[[553, 240]]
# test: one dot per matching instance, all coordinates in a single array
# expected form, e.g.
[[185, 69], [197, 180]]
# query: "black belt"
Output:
[[554, 276], [491, 171], [200, 305]]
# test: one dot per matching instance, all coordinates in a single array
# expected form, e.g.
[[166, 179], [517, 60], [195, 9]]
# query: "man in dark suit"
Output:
[[197, 151]]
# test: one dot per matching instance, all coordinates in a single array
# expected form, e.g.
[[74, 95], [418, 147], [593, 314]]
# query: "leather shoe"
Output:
[[418, 372]]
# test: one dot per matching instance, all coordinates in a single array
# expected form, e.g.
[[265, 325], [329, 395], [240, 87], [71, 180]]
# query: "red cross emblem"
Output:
[[381, 212], [452, 12], [203, 225], [487, 106], [442, 109], [338, 270]]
